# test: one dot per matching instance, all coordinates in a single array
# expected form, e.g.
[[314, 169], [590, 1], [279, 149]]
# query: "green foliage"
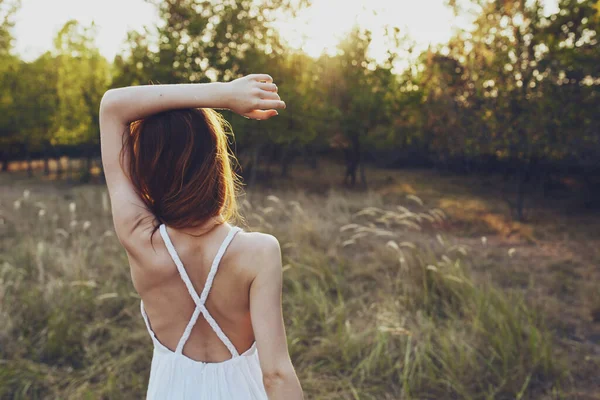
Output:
[[53, 100], [517, 90], [82, 77], [7, 12], [35, 101]]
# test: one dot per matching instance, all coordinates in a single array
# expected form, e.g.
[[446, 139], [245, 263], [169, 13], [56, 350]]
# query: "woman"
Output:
[[211, 294]]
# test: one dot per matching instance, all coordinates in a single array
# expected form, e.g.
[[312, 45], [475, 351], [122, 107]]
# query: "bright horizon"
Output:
[[317, 28]]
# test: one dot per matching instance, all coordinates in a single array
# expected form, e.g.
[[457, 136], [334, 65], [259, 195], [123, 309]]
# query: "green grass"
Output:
[[379, 303]]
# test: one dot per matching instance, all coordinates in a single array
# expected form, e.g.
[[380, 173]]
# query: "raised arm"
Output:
[[281, 382], [253, 96]]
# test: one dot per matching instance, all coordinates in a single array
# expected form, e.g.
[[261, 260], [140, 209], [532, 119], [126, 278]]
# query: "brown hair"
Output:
[[180, 165]]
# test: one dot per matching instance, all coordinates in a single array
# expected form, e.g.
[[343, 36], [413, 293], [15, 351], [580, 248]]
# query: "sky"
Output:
[[38, 21], [316, 29]]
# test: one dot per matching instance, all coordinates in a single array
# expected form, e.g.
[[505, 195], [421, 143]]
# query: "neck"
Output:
[[204, 227]]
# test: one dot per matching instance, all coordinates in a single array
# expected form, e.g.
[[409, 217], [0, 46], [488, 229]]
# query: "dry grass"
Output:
[[380, 303]]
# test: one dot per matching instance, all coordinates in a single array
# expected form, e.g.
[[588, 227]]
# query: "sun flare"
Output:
[[318, 28]]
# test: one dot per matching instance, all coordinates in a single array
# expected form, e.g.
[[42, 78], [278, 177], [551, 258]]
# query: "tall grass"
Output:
[[378, 304]]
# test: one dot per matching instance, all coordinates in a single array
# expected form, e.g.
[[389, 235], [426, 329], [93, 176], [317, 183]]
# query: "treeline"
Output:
[[517, 93]]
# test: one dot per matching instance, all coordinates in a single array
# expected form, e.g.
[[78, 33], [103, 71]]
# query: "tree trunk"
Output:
[[592, 191], [71, 169], [254, 164], [312, 158], [363, 174], [29, 165], [5, 161], [286, 160], [520, 200], [352, 154], [524, 175], [86, 170], [59, 168], [46, 162], [351, 165], [269, 160]]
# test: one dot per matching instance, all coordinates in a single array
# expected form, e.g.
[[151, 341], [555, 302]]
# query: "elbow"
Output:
[[109, 103], [274, 379], [281, 379]]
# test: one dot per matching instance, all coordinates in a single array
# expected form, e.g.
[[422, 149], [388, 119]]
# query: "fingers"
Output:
[[262, 114], [269, 95], [265, 104], [269, 87], [262, 78]]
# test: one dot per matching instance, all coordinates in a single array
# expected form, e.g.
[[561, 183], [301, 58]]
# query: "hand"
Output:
[[254, 96]]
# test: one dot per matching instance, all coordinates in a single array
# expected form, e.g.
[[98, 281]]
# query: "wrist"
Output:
[[225, 95]]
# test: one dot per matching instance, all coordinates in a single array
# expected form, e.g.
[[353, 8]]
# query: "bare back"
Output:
[[169, 305], [165, 158]]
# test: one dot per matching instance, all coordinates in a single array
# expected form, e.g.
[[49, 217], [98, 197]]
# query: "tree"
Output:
[[8, 9], [201, 41], [8, 63], [572, 65], [495, 91], [82, 76], [360, 91], [34, 106]]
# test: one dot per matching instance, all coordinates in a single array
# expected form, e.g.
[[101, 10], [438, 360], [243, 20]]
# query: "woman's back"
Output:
[[211, 293], [169, 304], [194, 356]]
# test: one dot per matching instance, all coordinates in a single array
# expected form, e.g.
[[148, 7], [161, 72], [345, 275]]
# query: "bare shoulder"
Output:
[[258, 252], [257, 244]]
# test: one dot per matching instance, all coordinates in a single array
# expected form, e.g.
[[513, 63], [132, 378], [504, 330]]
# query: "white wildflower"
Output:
[[484, 240], [274, 199], [26, 194], [41, 213], [414, 198], [348, 226], [17, 204], [86, 225], [72, 207], [393, 245], [73, 224], [61, 232], [440, 239], [511, 252], [348, 242], [105, 296]]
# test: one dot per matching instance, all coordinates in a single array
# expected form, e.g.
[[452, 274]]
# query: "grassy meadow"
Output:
[[418, 288]]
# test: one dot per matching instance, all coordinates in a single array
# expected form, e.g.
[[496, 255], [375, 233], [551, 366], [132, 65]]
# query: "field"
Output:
[[420, 287]]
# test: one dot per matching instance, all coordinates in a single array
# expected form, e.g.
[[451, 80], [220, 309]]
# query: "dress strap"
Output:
[[215, 264], [200, 300], [179, 264]]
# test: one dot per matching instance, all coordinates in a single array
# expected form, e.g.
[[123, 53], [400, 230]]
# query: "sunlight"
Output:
[[320, 27], [316, 30], [38, 21]]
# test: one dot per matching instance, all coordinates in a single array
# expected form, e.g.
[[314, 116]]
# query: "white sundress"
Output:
[[174, 376]]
